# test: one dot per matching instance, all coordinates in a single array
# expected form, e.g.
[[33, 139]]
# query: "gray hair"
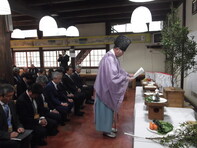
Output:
[[5, 89], [42, 79], [15, 69], [56, 74], [78, 67]]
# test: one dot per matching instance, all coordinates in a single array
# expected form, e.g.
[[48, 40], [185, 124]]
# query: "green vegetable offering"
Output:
[[163, 127]]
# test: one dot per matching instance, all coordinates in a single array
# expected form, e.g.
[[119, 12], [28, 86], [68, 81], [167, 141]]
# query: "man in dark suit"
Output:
[[49, 112], [31, 115], [71, 87], [63, 59], [88, 90], [10, 127], [55, 99]]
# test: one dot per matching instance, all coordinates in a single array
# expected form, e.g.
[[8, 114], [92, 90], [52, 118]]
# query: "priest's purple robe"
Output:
[[111, 81]]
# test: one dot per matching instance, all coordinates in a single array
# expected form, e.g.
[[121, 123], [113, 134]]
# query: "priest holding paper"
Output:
[[110, 86]]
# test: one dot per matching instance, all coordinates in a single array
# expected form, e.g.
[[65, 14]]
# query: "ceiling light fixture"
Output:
[[47, 23], [72, 31], [141, 15], [5, 8], [17, 34]]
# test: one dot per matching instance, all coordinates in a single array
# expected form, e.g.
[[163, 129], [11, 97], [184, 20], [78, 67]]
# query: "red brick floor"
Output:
[[80, 131]]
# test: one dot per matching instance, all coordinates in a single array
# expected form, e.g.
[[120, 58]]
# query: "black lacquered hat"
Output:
[[122, 42]]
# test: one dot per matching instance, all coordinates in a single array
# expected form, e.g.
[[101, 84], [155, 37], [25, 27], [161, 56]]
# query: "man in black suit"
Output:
[[55, 99], [10, 127], [88, 90], [30, 114], [49, 112], [63, 59], [71, 87]]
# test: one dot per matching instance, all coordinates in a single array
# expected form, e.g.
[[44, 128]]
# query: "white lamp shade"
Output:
[[17, 34], [50, 32], [141, 15], [47, 23], [4, 7], [139, 27], [61, 32], [72, 31], [140, 1], [30, 33]]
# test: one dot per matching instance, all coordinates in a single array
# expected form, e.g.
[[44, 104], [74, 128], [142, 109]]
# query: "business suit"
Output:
[[70, 86], [55, 98], [26, 115], [79, 83], [5, 141]]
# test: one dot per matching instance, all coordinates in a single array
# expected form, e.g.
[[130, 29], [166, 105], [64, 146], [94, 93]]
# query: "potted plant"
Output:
[[179, 48]]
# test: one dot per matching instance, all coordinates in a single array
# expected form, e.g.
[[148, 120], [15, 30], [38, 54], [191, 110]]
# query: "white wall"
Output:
[[191, 22], [95, 29], [138, 55]]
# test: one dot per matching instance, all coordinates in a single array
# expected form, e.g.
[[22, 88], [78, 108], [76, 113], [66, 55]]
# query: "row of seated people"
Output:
[[44, 105]]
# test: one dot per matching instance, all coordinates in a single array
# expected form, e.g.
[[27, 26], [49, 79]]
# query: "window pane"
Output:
[[20, 59], [33, 58]]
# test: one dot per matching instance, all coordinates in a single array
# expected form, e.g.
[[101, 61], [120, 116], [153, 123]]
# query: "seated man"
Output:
[[10, 126], [71, 87], [55, 99], [32, 117], [88, 90], [49, 112]]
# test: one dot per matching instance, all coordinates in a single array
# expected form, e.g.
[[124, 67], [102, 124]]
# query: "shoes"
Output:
[[90, 101], [79, 113], [110, 135], [114, 130]]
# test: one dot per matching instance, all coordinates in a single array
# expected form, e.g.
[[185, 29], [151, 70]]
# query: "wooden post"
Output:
[[5, 52]]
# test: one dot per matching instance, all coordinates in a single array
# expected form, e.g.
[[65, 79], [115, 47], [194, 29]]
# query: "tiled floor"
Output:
[[80, 131]]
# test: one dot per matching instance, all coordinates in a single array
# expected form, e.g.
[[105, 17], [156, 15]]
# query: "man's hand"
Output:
[[13, 134], [64, 104], [20, 130], [43, 122], [70, 100], [55, 111], [79, 90], [70, 95]]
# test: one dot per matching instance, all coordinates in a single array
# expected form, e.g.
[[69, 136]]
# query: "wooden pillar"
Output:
[[108, 32], [72, 49], [5, 52], [41, 57]]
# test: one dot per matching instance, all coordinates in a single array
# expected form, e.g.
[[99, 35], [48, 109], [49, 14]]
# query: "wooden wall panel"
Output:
[[5, 52]]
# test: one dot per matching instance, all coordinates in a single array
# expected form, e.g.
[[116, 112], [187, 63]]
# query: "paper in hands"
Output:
[[139, 72]]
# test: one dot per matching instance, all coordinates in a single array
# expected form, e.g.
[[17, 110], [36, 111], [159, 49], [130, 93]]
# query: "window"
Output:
[[25, 59], [93, 58]]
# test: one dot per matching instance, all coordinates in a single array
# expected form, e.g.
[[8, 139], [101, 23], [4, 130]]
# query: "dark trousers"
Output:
[[9, 144]]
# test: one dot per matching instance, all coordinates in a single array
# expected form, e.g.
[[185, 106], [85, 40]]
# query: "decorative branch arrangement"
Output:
[[183, 137]]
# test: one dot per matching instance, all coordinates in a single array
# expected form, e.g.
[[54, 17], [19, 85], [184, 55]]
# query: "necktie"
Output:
[[8, 116]]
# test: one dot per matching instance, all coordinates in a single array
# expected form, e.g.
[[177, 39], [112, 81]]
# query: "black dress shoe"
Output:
[[89, 102]]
